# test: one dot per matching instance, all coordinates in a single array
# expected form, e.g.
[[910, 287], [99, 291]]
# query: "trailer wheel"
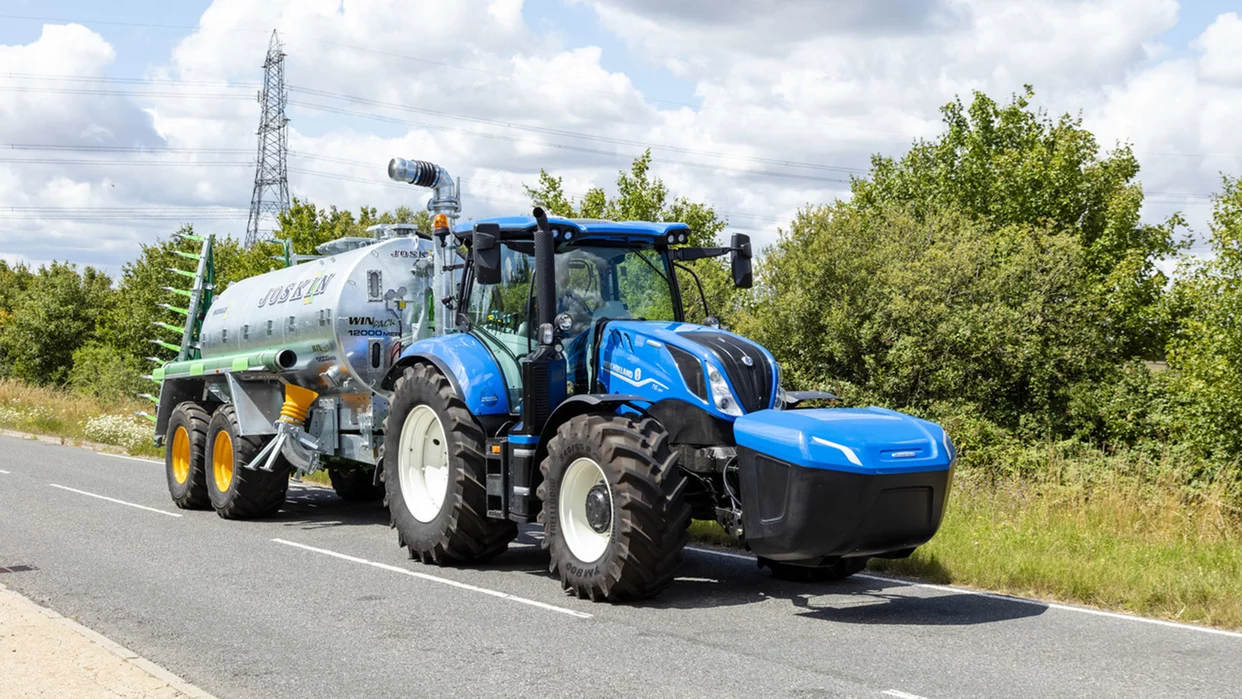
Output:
[[236, 491], [355, 484], [185, 456], [615, 515], [839, 569], [434, 473]]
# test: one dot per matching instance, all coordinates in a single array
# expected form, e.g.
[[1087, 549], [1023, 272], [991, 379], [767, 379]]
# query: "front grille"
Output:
[[753, 383]]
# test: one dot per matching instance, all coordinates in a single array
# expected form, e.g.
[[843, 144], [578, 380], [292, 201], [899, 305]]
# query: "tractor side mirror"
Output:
[[743, 276], [485, 250]]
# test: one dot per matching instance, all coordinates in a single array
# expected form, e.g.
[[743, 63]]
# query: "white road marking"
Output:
[[119, 502], [1007, 598], [4, 472], [131, 458], [433, 578], [900, 694]]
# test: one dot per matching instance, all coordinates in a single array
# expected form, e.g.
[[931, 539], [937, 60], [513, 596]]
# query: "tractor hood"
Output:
[[722, 372]]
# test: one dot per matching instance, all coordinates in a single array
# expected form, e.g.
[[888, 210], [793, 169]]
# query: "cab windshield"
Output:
[[593, 282]]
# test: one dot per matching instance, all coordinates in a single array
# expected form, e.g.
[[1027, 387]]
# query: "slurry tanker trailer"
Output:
[[528, 369]]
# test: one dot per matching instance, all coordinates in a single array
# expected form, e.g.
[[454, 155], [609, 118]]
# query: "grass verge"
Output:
[[76, 418], [1119, 543], [1128, 546]]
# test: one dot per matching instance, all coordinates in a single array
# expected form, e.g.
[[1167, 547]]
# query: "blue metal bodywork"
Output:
[[871, 441], [478, 378], [634, 358], [583, 229]]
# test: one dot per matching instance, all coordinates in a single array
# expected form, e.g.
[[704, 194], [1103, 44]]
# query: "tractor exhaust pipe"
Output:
[[446, 200], [545, 271]]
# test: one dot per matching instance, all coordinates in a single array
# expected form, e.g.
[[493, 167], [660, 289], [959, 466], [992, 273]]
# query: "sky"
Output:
[[119, 121]]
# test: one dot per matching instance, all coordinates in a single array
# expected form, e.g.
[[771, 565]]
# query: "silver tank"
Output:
[[345, 316]]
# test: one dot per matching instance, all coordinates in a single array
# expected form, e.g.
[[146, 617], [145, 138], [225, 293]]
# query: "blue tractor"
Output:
[[570, 391]]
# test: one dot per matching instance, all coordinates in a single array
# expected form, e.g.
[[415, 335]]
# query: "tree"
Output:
[[13, 283], [54, 316], [640, 197], [919, 308], [1010, 165], [1207, 350], [308, 226]]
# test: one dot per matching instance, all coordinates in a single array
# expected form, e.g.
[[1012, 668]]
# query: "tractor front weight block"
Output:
[[818, 485]]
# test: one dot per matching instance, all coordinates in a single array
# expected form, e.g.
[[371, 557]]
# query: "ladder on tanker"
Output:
[[198, 300]]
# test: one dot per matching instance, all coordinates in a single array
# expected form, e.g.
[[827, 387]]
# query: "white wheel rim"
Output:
[[422, 463], [584, 542]]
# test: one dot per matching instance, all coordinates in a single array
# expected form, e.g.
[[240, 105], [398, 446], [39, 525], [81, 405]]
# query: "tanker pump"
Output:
[[282, 372]]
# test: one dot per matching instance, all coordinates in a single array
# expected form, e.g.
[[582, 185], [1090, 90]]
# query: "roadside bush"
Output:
[[102, 372], [933, 308]]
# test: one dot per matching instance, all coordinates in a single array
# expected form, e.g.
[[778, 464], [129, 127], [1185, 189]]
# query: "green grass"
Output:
[[1131, 547], [1120, 543], [76, 418]]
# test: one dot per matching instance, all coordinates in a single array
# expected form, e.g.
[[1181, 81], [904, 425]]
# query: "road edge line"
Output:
[[164, 675], [1009, 598]]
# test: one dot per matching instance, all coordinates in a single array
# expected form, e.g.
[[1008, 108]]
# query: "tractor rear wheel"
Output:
[[355, 484], [614, 512], [185, 455], [236, 491], [839, 569], [434, 473]]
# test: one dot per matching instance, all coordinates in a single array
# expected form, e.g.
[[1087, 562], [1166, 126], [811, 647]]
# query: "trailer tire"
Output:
[[839, 569], [236, 491], [612, 493], [437, 500], [355, 484], [186, 455]]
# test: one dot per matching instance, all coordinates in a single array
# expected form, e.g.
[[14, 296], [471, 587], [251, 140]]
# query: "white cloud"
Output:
[[1221, 45], [809, 81]]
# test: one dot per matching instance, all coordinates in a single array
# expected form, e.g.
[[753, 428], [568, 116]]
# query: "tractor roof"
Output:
[[581, 227]]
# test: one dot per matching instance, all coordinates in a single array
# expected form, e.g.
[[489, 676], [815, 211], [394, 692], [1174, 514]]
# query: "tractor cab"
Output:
[[603, 271]]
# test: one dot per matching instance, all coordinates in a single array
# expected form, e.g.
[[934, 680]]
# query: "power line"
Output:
[[446, 115]]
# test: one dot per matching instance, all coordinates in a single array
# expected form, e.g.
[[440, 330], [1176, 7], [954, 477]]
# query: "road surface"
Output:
[[320, 602]]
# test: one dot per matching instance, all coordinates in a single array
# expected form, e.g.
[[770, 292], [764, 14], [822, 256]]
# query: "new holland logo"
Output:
[[747, 360]]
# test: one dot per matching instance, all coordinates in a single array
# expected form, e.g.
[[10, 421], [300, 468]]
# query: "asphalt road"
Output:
[[320, 602]]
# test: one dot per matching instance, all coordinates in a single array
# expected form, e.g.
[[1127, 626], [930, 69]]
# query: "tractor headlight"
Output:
[[779, 403], [722, 397]]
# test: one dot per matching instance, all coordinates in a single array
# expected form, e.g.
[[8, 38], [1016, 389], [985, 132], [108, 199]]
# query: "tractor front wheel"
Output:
[[614, 512], [236, 491], [434, 473]]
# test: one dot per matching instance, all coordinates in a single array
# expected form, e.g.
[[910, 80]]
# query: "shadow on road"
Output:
[[709, 581], [311, 507]]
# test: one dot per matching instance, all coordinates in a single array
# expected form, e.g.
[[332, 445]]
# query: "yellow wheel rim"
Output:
[[222, 461], [181, 455]]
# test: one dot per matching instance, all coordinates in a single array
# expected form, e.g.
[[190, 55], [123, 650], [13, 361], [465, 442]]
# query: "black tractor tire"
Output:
[[185, 446], [355, 484], [460, 531], [839, 569], [245, 494], [649, 515]]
